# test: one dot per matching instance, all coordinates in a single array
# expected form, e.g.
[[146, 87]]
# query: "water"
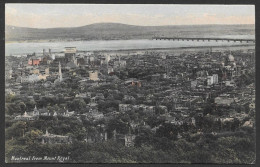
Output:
[[25, 48]]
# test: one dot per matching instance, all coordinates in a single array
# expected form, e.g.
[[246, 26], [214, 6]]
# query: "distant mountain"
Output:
[[112, 31]]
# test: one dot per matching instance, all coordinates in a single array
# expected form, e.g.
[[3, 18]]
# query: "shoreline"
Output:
[[54, 41], [183, 49], [177, 48]]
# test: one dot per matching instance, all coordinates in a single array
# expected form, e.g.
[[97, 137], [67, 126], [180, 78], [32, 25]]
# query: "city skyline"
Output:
[[75, 15]]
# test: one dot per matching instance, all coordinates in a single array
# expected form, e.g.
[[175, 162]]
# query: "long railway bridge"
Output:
[[204, 39]]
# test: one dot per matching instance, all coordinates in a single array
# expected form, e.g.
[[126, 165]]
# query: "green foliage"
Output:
[[12, 108], [16, 130], [77, 104]]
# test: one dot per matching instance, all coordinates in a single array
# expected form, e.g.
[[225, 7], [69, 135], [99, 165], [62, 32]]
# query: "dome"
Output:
[[231, 57]]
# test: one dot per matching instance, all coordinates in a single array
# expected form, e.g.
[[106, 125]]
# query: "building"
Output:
[[47, 71], [8, 74], [49, 138], [69, 53], [125, 107], [129, 140], [215, 78], [107, 59], [96, 137], [60, 73], [93, 75], [209, 80], [110, 70], [35, 71], [194, 84], [68, 114], [26, 117], [30, 78], [33, 61], [224, 99], [145, 108]]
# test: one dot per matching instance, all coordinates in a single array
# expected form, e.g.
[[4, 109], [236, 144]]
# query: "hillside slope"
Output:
[[110, 31]]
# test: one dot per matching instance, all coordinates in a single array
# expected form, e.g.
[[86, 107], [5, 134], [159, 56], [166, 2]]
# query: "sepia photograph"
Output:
[[129, 83]]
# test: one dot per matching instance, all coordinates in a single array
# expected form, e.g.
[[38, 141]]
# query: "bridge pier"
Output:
[[205, 39]]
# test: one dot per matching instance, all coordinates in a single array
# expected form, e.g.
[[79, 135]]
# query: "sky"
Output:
[[75, 15]]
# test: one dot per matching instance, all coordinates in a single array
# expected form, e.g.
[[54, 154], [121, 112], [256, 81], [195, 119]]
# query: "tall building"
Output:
[[60, 73], [75, 60], [215, 78], [209, 80], [107, 58], [69, 53], [43, 52]]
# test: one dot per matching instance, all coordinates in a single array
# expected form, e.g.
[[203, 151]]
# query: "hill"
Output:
[[112, 31]]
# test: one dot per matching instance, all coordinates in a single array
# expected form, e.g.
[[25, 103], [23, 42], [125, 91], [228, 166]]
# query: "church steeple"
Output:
[[47, 133], [60, 73], [35, 111]]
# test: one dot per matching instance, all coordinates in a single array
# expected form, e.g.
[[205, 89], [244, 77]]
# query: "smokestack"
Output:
[[43, 52], [50, 51]]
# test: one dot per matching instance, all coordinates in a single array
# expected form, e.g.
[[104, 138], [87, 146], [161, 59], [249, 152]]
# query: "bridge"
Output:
[[204, 39]]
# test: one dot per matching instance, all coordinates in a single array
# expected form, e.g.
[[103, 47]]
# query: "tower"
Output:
[[60, 73], [74, 60], [119, 61], [107, 58], [46, 132], [35, 108]]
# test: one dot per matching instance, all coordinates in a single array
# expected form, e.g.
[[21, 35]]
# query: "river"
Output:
[[30, 47]]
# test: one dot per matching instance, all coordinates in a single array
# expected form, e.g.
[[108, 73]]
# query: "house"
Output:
[[224, 99], [125, 107], [127, 97], [68, 114], [49, 138], [26, 117], [127, 140], [96, 137]]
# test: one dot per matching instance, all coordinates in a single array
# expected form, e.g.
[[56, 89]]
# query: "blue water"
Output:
[[25, 48]]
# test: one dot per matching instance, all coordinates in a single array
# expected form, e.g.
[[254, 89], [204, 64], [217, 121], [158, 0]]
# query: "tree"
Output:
[[16, 130], [12, 108], [22, 107], [77, 104], [32, 136]]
